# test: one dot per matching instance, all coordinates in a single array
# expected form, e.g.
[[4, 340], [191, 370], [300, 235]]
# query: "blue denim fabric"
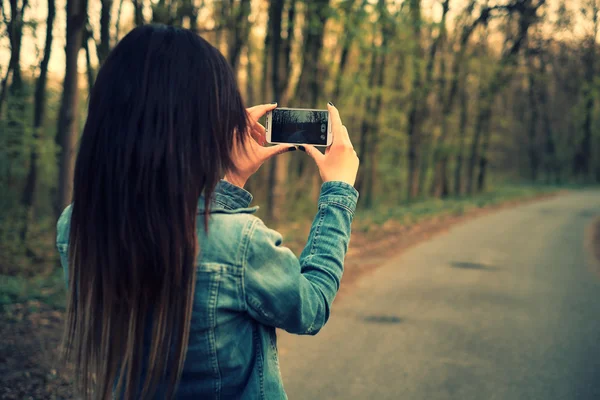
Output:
[[248, 284]]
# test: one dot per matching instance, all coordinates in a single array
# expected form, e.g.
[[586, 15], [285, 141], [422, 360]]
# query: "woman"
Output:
[[175, 288]]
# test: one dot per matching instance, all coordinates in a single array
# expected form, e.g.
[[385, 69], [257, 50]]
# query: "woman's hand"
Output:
[[339, 163], [252, 155]]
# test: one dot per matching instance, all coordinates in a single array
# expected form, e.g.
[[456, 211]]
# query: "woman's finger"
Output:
[[259, 133], [257, 136], [314, 153], [260, 128], [268, 152], [336, 122], [258, 111], [346, 136]]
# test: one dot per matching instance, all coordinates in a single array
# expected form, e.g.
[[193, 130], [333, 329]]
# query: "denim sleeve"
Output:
[[296, 294], [62, 240]]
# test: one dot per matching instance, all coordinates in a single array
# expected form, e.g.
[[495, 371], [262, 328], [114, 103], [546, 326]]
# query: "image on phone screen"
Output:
[[300, 126]]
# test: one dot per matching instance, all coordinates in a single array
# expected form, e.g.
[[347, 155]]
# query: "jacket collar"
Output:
[[229, 199]]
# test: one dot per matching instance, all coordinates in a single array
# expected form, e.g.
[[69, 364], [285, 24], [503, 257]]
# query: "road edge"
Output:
[[592, 246], [357, 266]]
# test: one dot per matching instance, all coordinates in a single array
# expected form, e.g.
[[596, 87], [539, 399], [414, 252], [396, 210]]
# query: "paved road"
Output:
[[502, 307]]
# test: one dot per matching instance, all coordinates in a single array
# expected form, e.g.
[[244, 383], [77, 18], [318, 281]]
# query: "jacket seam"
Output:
[[318, 229], [339, 204], [244, 257], [212, 337], [260, 359]]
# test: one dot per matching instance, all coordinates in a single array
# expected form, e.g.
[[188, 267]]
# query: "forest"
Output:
[[443, 99]]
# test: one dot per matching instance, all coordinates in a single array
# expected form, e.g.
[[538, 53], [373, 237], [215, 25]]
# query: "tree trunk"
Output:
[[462, 132], [15, 38], [105, 17], [366, 123], [308, 90], [440, 185], [90, 74], [266, 56], [483, 157], [527, 16], [275, 189], [287, 66], [416, 102], [16, 117], [584, 154], [67, 130], [118, 24], [138, 12], [413, 161], [28, 196], [240, 33], [533, 124], [349, 32], [250, 76], [483, 116], [583, 159], [4, 85], [551, 164], [15, 34], [308, 84]]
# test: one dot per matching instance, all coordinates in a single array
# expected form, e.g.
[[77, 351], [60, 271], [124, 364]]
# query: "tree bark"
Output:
[[138, 12], [350, 28], [90, 73], [240, 33], [462, 134], [14, 29], [287, 66], [28, 196], [250, 76], [105, 19], [533, 124], [365, 126], [551, 164], [440, 185], [582, 162], [118, 24], [415, 103], [275, 191], [374, 104], [527, 16], [266, 56], [67, 130], [308, 84], [308, 89]]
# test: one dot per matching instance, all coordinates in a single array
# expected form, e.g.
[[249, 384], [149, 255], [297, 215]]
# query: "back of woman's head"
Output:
[[162, 119]]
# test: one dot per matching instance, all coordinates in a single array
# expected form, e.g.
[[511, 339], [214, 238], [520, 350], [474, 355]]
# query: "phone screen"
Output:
[[299, 126]]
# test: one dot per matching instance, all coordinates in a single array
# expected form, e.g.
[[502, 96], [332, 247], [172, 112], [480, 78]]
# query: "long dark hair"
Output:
[[163, 116]]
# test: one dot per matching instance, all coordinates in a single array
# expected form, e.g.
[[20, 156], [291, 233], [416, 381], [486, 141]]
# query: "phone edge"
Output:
[[269, 123]]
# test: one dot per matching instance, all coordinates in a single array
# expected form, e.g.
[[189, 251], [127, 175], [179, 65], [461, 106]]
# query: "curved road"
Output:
[[506, 306]]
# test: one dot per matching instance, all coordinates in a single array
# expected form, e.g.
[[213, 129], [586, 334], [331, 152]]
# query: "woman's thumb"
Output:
[[312, 152], [271, 151]]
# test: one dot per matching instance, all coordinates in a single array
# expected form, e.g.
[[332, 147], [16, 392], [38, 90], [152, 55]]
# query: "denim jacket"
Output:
[[248, 284]]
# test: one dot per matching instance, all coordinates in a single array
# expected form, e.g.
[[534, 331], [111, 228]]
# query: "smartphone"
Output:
[[298, 126]]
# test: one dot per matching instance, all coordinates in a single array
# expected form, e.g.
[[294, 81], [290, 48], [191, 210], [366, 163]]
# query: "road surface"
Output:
[[506, 306]]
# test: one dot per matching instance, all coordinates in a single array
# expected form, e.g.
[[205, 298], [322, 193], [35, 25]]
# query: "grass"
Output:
[[411, 213], [407, 214], [49, 287]]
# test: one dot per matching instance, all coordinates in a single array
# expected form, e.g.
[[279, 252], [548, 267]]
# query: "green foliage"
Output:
[[17, 141], [412, 213], [49, 289], [375, 31]]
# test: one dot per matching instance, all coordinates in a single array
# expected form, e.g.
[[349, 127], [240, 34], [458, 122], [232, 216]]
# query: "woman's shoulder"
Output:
[[63, 225]]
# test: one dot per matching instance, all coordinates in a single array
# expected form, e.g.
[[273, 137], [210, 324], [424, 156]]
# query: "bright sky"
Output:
[[33, 41]]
